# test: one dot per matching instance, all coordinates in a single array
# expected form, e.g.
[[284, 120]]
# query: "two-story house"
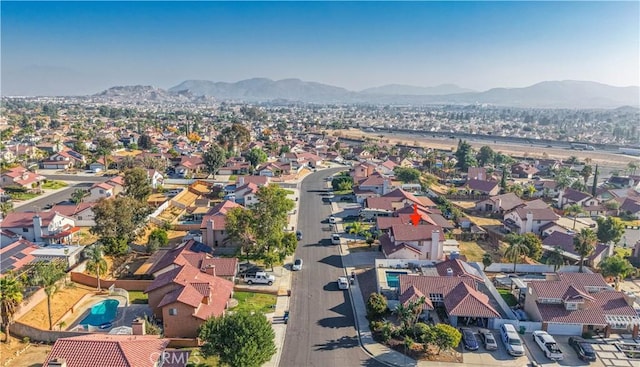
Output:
[[46, 227], [529, 218], [570, 197], [499, 204], [213, 225], [100, 190], [64, 159], [405, 241], [576, 303], [20, 176], [184, 298]]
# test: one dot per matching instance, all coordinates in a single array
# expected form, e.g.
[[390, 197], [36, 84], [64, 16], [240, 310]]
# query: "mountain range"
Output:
[[549, 94]]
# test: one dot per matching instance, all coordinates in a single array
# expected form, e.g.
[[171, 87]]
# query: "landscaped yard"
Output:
[[254, 302], [508, 297], [22, 195], [138, 297], [54, 185], [197, 360]]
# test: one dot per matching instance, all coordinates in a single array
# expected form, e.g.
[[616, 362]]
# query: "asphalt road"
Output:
[[62, 195], [321, 330]]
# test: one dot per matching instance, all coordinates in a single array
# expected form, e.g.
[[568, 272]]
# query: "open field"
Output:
[[474, 251]]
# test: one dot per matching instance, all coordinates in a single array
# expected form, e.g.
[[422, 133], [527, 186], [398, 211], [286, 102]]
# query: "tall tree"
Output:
[[117, 221], [256, 156], [10, 298], [406, 174], [464, 155], [485, 155], [517, 248], [47, 274], [616, 266], [104, 148], [574, 210], [534, 245], [77, 196], [96, 264], [586, 172], [610, 229], [239, 339], [137, 184], [594, 187], [214, 158], [584, 243], [555, 258], [144, 142]]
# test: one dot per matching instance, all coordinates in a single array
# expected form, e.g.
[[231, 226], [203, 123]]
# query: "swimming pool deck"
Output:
[[124, 315]]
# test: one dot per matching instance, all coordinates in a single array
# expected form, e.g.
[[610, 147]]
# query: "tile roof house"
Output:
[[499, 203], [46, 227], [477, 173], [20, 176], [570, 197], [375, 183], [185, 297], [64, 159], [631, 207], [101, 190], [406, 241], [95, 350], [458, 295], [214, 222], [564, 242], [529, 218], [482, 187], [574, 303], [524, 170]]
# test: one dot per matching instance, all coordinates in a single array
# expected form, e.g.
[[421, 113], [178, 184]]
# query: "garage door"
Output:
[[564, 329]]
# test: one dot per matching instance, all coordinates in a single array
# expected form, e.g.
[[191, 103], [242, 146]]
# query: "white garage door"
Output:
[[564, 329]]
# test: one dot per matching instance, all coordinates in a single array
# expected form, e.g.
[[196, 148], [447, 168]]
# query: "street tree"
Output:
[[137, 184], [584, 243], [610, 229], [10, 298], [77, 196], [239, 339], [96, 264], [214, 158]]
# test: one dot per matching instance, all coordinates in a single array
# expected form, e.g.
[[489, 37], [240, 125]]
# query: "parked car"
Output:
[[469, 339], [299, 235], [583, 348], [332, 219], [259, 278], [548, 345], [488, 339], [297, 265], [511, 340], [343, 283], [335, 239]]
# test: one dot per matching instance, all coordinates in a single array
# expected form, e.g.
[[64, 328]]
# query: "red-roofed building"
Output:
[[95, 350], [213, 225], [46, 227], [574, 303], [20, 176], [16, 255], [100, 190], [185, 297], [459, 296], [406, 241]]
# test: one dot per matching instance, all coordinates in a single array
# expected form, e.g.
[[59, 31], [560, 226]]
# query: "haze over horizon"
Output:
[[77, 48]]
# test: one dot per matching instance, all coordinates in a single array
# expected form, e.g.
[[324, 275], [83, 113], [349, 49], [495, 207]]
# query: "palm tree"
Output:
[[356, 228], [96, 263], [517, 248], [556, 259], [10, 298], [585, 242], [47, 274], [530, 190], [486, 261], [77, 196], [574, 210], [632, 167]]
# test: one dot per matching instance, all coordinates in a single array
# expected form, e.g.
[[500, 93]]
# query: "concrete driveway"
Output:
[[500, 357], [570, 356]]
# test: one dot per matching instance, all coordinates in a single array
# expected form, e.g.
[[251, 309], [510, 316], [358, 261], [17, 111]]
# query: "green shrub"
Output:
[[587, 334]]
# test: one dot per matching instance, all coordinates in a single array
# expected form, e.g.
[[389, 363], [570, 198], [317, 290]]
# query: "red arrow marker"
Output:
[[415, 217]]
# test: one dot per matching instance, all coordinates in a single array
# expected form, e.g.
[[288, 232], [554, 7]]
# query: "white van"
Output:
[[335, 239], [511, 340]]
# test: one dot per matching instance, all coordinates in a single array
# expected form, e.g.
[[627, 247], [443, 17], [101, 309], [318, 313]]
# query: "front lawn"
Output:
[[254, 302], [54, 185], [138, 298], [22, 195], [196, 359], [508, 297]]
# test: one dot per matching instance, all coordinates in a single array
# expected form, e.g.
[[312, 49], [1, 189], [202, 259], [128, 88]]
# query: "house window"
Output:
[[571, 306], [25, 230], [436, 297], [102, 191], [173, 311]]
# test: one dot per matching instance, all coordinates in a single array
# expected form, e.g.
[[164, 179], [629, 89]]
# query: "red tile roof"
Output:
[[96, 350], [605, 303], [412, 294], [421, 232], [459, 269]]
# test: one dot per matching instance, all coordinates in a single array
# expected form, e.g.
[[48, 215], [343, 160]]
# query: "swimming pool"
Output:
[[393, 278], [101, 313]]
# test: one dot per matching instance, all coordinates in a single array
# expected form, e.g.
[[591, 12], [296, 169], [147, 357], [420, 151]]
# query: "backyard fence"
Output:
[[125, 284]]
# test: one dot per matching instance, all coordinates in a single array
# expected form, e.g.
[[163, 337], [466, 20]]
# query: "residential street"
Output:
[[321, 329]]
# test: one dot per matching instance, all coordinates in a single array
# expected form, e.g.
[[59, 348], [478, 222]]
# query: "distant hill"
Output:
[[549, 94], [400, 89]]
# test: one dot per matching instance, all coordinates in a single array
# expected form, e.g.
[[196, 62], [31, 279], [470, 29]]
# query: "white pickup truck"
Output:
[[259, 278]]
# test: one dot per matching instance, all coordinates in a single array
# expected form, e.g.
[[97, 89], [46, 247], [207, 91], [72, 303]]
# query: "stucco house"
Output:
[[529, 218], [406, 241], [46, 227]]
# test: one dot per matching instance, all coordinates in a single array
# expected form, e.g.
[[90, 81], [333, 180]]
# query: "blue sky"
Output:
[[85, 47]]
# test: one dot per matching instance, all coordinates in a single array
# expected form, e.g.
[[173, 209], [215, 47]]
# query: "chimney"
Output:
[[205, 299], [436, 249], [449, 272], [138, 326], [210, 269], [210, 240], [240, 180], [528, 227], [560, 195], [37, 228], [499, 204], [57, 362]]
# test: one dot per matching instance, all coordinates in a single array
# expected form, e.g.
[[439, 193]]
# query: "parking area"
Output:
[[498, 357], [570, 355]]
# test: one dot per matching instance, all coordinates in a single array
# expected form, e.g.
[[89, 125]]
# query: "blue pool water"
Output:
[[101, 313], [393, 278]]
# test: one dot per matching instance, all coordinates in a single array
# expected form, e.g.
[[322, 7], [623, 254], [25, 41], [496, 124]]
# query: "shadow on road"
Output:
[[343, 342], [333, 260]]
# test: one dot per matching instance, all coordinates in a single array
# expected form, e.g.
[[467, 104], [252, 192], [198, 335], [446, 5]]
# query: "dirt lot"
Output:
[[31, 356], [601, 158], [475, 250], [61, 301]]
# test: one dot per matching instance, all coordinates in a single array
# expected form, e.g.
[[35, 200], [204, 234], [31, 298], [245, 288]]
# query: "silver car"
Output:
[[297, 265], [488, 339]]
